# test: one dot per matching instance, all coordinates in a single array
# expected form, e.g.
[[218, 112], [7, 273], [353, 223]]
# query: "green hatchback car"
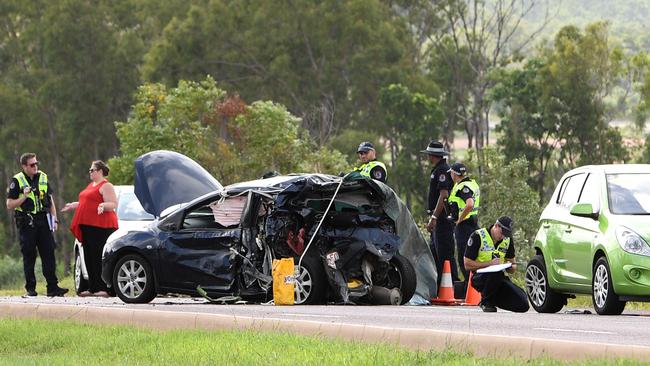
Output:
[[593, 239]]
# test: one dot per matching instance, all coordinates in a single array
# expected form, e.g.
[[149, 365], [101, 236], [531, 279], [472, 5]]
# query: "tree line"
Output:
[[246, 86]]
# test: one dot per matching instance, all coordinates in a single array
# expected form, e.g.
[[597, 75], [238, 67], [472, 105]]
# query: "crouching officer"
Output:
[[30, 195], [492, 246], [370, 167], [464, 203]]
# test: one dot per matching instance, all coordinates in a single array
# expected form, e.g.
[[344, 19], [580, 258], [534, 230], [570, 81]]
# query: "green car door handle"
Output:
[[546, 226], [568, 229]]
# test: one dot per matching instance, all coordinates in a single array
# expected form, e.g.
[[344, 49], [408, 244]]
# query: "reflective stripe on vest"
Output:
[[453, 198], [487, 247], [365, 169], [42, 191]]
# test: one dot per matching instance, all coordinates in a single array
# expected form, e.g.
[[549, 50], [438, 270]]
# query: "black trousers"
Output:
[[94, 239], [33, 237], [442, 242], [497, 289], [462, 233]]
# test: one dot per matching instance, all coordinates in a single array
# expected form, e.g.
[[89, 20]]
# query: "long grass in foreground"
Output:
[[42, 342]]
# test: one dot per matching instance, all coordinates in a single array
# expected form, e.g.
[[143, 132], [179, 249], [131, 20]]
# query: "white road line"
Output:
[[313, 315], [574, 330]]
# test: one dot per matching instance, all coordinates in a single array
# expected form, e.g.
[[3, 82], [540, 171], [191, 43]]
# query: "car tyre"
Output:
[[80, 283], [133, 280], [540, 294], [401, 275], [605, 300], [311, 282]]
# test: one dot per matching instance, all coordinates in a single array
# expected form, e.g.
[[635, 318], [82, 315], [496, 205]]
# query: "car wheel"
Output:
[[311, 283], [606, 302], [133, 279], [401, 274], [80, 283], [541, 296]]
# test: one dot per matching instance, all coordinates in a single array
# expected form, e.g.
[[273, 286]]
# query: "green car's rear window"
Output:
[[629, 194]]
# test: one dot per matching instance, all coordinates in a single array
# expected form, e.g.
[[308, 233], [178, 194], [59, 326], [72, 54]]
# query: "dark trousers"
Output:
[[442, 243], [94, 239], [33, 237], [462, 233], [497, 289]]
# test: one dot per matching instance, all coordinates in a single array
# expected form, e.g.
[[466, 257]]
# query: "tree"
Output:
[[232, 140], [326, 61], [484, 36], [580, 73], [525, 129], [412, 120], [64, 78], [554, 109]]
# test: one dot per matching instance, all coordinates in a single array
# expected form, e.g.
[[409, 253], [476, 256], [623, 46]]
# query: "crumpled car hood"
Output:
[[165, 178]]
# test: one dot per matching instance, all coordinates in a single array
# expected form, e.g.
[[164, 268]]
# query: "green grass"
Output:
[[41, 342]]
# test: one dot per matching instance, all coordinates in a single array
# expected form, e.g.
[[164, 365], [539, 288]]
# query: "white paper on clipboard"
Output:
[[494, 268]]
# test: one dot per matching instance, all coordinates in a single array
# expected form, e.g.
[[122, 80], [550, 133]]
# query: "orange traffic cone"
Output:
[[446, 292], [472, 297]]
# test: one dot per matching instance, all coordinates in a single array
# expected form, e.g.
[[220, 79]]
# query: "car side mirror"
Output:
[[584, 210]]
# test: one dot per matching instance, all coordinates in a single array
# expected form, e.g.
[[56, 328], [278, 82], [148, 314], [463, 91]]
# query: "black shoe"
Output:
[[487, 308], [30, 293], [57, 292]]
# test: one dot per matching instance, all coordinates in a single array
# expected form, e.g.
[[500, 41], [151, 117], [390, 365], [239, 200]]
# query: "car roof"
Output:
[[614, 168]]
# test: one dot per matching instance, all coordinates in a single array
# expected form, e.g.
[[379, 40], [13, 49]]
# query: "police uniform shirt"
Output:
[[378, 173], [474, 244], [440, 179], [14, 191], [464, 194]]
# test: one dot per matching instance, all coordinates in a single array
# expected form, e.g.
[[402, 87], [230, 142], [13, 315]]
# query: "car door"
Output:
[[580, 235], [199, 252], [558, 229]]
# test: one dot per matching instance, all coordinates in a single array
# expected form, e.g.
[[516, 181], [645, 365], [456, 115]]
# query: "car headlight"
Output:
[[632, 242]]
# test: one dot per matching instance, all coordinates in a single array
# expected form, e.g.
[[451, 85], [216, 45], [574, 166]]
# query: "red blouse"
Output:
[[86, 212]]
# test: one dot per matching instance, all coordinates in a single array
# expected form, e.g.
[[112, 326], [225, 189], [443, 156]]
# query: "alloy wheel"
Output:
[[601, 285], [302, 285], [77, 273], [131, 279], [536, 285]]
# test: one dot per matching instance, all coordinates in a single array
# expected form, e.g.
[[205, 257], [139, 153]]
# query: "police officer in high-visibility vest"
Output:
[[439, 224], [464, 201], [30, 195], [370, 167], [491, 247]]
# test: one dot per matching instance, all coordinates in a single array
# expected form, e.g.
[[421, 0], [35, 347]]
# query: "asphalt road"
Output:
[[631, 328]]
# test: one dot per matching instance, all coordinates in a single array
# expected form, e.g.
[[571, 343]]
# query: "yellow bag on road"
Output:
[[283, 281]]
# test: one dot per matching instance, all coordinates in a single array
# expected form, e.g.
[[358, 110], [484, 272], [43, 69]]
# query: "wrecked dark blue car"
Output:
[[353, 241]]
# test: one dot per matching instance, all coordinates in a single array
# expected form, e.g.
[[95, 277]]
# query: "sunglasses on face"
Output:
[[34, 164], [362, 152], [92, 170]]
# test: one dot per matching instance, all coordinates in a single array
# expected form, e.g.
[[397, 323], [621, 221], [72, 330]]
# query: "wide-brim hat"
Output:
[[435, 148]]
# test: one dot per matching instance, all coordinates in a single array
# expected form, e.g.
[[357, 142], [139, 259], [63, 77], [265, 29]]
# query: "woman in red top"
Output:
[[94, 220]]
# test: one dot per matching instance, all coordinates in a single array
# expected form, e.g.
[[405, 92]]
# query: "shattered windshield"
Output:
[[629, 194]]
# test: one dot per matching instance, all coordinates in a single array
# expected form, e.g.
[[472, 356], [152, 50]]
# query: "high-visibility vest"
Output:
[[487, 249], [453, 198], [38, 198], [365, 169]]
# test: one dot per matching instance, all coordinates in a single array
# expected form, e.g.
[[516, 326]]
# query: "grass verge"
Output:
[[44, 342]]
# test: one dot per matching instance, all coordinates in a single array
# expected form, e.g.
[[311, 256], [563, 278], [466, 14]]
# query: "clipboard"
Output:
[[494, 268]]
